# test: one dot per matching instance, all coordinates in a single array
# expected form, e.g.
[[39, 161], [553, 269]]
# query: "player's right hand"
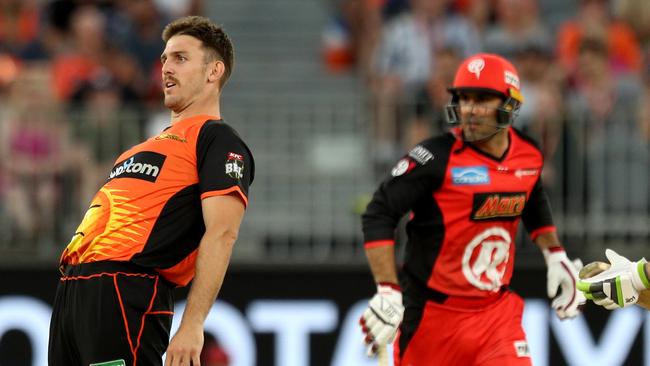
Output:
[[617, 286], [383, 317], [562, 273]]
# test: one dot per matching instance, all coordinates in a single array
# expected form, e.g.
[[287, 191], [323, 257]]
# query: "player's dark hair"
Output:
[[212, 36]]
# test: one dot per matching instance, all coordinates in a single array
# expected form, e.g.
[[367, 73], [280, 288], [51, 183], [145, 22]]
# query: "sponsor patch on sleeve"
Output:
[[235, 166], [401, 167], [421, 154]]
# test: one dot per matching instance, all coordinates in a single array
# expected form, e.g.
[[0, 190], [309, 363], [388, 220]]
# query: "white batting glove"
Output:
[[562, 273], [619, 285], [381, 320]]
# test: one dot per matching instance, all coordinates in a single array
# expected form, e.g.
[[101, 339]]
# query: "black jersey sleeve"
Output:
[[414, 176], [537, 212], [224, 162]]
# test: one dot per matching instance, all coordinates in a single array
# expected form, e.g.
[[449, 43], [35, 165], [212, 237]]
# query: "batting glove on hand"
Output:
[[562, 273], [381, 320], [617, 286]]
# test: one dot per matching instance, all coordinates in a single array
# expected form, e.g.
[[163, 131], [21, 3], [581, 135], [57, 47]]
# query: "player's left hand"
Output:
[[185, 347], [617, 286], [562, 274]]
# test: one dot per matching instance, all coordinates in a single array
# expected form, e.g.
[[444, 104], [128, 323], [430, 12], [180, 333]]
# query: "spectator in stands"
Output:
[[594, 21], [180, 8], [34, 139], [353, 31], [517, 26], [636, 14], [53, 30], [104, 123], [142, 39], [603, 116], [85, 54], [644, 109], [478, 12], [18, 23], [429, 113], [541, 117]]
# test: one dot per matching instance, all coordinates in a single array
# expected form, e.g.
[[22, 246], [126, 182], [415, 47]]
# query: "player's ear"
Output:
[[217, 70]]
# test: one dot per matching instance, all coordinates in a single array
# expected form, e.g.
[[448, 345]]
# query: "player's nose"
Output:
[[167, 69]]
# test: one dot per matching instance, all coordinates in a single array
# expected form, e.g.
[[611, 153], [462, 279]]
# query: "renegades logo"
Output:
[[485, 258], [498, 206]]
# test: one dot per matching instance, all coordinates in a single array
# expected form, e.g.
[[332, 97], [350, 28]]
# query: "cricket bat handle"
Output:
[[382, 356]]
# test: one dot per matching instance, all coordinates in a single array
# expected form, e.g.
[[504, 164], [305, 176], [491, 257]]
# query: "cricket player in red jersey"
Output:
[[169, 213], [466, 191]]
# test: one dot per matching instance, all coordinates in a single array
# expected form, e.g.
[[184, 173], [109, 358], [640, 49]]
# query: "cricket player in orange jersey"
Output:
[[169, 213]]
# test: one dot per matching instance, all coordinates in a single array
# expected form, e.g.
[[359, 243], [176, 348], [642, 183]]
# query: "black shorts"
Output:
[[110, 311]]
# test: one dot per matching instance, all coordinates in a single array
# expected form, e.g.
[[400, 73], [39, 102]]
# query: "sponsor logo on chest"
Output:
[[170, 136], [490, 206], [145, 165], [470, 175]]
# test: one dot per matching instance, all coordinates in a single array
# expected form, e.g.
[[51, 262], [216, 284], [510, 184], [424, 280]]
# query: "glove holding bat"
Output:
[[619, 283]]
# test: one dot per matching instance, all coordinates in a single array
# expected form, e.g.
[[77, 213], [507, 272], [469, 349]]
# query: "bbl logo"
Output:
[[235, 166]]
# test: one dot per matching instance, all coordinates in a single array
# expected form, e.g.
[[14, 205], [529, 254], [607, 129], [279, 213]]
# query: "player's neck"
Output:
[[206, 106], [496, 145]]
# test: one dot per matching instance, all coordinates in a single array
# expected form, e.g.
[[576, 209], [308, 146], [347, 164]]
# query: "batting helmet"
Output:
[[487, 73]]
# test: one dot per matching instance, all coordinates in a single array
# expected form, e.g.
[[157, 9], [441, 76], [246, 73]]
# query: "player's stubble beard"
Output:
[[186, 92], [485, 129], [172, 100]]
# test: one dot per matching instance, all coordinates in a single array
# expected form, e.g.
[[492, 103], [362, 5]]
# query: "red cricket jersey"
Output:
[[466, 206]]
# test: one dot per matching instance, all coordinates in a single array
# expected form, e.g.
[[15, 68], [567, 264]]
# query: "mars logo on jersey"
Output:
[[144, 165], [498, 206], [235, 166], [486, 258], [470, 175]]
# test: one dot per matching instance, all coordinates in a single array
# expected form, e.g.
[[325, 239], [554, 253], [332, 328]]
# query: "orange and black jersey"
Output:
[[466, 206], [149, 210]]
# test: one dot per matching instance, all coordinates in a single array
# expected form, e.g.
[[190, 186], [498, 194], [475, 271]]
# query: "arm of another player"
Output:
[[617, 284], [562, 274], [222, 216]]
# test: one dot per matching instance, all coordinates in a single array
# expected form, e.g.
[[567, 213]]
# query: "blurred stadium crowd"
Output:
[[80, 82]]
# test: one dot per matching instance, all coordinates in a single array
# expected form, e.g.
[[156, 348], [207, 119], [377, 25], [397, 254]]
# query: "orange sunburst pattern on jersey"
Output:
[[112, 229]]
